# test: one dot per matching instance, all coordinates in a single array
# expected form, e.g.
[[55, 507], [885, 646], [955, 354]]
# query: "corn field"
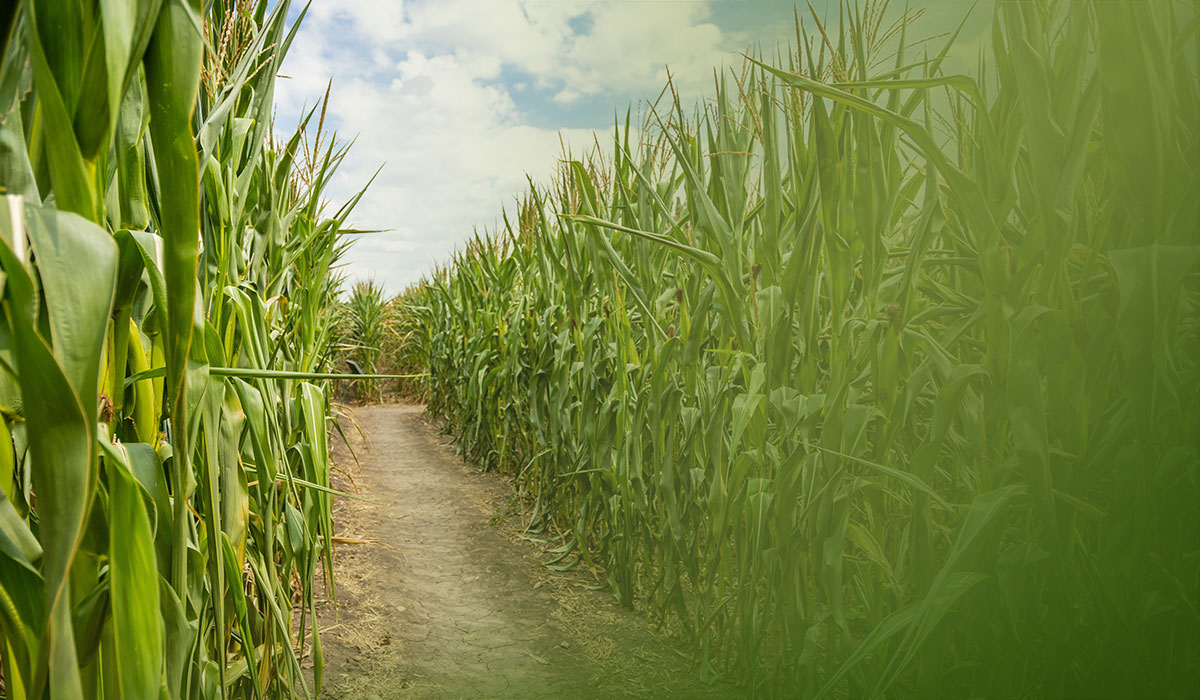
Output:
[[870, 379], [167, 266], [366, 334]]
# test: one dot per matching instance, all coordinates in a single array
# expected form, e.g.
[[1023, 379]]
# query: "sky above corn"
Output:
[[459, 100]]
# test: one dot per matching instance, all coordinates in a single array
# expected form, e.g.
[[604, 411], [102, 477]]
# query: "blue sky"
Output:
[[458, 100]]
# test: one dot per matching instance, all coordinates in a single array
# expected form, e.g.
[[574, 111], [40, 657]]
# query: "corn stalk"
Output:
[[167, 270], [871, 380]]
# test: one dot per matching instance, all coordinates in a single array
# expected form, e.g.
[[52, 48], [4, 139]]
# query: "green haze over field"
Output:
[[876, 379]]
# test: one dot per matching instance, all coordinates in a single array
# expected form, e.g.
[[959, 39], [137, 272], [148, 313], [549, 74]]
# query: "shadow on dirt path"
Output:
[[443, 600]]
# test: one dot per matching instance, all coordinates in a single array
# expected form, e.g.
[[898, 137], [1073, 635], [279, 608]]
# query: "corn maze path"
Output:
[[439, 597]]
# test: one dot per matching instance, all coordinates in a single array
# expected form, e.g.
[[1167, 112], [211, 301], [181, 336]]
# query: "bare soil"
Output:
[[438, 597]]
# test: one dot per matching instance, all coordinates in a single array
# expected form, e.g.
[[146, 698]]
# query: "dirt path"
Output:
[[451, 604]]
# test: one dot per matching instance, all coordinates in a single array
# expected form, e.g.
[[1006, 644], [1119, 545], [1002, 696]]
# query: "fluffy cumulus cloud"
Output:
[[629, 45], [458, 100]]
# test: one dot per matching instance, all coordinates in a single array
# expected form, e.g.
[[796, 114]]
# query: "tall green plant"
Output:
[[167, 275], [875, 380], [367, 334]]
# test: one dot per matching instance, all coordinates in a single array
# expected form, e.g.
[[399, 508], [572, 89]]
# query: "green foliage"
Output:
[[874, 381], [367, 334], [167, 275]]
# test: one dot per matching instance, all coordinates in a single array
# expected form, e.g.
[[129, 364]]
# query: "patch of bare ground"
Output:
[[439, 598]]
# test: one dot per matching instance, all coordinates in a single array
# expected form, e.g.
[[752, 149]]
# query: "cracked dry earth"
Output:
[[439, 598]]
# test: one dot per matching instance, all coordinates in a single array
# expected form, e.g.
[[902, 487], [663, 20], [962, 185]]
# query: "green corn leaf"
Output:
[[137, 624]]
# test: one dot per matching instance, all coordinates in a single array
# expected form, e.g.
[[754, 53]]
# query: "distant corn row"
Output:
[[164, 497], [873, 380], [365, 334]]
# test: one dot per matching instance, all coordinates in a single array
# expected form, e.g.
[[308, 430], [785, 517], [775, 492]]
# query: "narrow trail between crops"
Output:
[[438, 597]]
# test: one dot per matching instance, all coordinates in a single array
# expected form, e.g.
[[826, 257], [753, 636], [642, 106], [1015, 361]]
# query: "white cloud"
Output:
[[426, 88], [630, 46]]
